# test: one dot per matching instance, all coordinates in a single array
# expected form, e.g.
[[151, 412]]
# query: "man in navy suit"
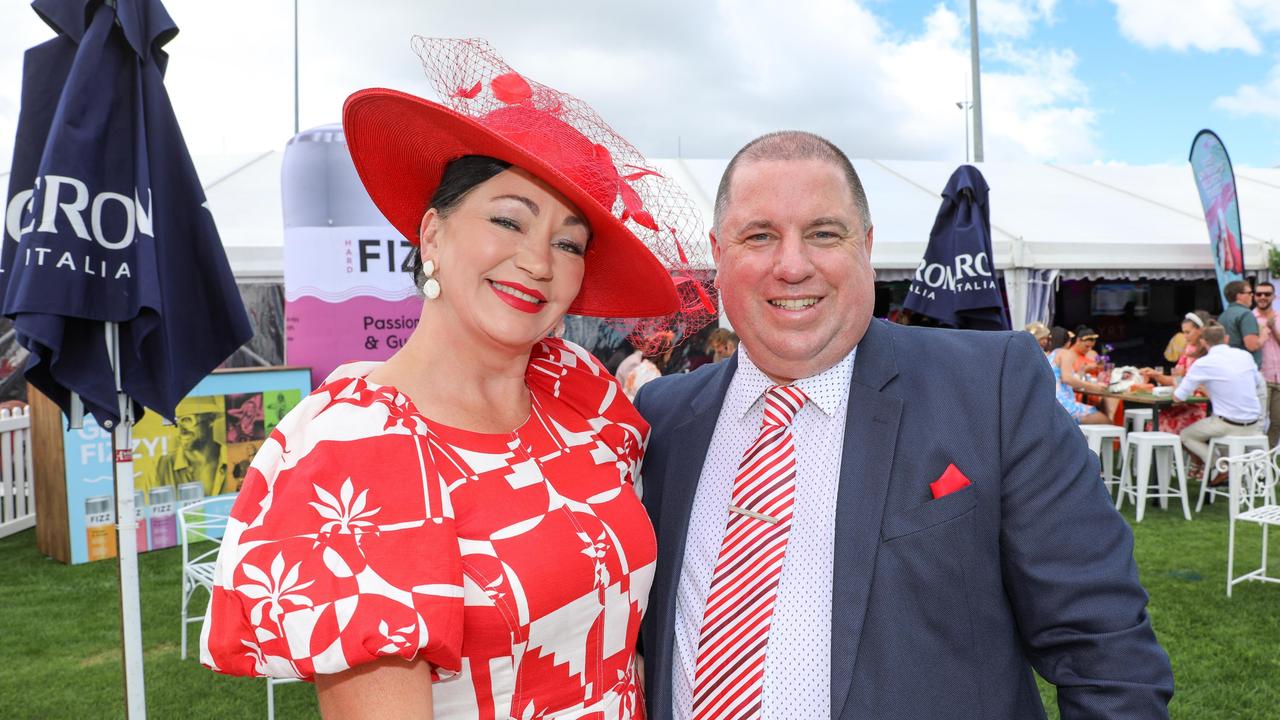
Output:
[[949, 530]]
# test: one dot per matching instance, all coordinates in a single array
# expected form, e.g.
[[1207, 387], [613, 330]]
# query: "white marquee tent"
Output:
[[1067, 221]]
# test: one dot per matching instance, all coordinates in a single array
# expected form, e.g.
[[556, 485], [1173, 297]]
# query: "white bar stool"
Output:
[[1231, 446], [1142, 450], [1138, 420], [1099, 439]]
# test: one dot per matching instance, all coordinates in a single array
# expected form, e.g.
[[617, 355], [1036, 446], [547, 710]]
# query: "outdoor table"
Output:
[[1147, 399]]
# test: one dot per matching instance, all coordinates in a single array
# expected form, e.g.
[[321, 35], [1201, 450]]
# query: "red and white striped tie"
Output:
[[728, 676]]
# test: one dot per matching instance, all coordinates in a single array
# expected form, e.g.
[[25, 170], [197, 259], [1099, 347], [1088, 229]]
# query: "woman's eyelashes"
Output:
[[506, 222], [571, 246]]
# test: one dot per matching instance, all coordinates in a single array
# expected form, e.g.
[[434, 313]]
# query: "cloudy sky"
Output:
[[1062, 80]]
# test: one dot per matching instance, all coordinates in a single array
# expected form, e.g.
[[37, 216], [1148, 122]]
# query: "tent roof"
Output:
[[1108, 220], [1113, 218]]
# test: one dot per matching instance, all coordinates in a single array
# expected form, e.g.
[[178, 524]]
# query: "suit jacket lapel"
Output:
[[870, 437], [687, 445]]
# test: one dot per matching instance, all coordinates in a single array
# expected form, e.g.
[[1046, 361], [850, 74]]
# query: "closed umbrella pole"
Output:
[[126, 540]]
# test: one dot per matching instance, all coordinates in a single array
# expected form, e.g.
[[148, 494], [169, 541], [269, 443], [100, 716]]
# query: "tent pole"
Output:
[[127, 541]]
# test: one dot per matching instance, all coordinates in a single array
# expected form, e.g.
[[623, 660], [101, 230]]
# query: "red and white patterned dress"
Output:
[[517, 564]]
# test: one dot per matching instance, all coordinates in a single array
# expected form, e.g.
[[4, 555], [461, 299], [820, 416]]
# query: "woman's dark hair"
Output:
[[460, 177], [1084, 331], [1058, 336]]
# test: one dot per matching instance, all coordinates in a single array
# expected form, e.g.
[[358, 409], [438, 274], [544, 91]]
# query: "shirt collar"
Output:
[[827, 390]]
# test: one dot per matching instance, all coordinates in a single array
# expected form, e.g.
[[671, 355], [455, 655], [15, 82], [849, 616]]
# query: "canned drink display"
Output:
[[99, 523]]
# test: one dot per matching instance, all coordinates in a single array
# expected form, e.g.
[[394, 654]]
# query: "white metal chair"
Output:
[[1252, 483], [202, 521], [1141, 451], [205, 521], [1230, 446], [1100, 439], [271, 694]]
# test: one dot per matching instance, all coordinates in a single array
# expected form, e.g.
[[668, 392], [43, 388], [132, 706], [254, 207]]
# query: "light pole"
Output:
[[977, 80], [295, 67], [965, 105]]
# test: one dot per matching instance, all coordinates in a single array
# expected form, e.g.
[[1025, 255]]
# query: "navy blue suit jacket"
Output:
[[941, 607]]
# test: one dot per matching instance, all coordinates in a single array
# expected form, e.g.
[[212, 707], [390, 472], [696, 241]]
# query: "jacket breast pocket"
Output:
[[929, 514]]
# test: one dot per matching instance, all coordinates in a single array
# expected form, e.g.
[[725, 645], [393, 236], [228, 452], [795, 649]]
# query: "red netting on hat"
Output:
[[472, 80]]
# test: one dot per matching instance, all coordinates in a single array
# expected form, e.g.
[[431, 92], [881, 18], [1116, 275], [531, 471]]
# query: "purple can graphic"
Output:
[[164, 522]]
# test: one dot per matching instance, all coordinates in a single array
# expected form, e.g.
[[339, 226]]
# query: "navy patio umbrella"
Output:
[[955, 283], [116, 282]]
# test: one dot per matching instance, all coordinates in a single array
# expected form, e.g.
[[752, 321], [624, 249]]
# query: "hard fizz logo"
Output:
[[969, 273], [108, 219], [366, 255]]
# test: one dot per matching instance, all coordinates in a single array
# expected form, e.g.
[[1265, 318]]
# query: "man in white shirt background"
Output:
[[1230, 376]]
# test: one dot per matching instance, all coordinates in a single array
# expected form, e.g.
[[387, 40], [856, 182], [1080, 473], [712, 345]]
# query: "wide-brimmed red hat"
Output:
[[401, 144]]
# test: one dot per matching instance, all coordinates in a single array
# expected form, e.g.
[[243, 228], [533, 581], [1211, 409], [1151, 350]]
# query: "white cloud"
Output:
[[1261, 100], [1243, 25], [1196, 24], [712, 75], [1042, 107], [1012, 18]]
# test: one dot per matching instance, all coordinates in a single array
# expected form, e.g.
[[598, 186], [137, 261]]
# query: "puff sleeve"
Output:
[[341, 547]]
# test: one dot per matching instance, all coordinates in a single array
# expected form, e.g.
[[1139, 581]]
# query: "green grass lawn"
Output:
[[59, 633]]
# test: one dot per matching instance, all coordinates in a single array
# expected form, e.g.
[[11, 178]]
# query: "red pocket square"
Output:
[[952, 480]]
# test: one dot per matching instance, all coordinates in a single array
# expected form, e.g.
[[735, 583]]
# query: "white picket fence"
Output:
[[17, 481]]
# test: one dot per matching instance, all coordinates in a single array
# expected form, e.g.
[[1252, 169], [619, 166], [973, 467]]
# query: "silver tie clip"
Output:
[[753, 514]]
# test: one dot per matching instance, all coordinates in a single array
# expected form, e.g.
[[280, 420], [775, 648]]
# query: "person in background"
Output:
[[1083, 359], [650, 368], [721, 343], [1178, 417], [1239, 322], [1231, 380], [1177, 344], [1067, 382], [1264, 296], [1041, 334], [628, 366], [1059, 337]]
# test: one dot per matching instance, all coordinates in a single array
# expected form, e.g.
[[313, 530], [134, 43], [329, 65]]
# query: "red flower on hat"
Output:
[[511, 89]]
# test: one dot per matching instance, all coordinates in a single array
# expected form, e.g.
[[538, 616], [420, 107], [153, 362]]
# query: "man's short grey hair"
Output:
[[1214, 335], [793, 145]]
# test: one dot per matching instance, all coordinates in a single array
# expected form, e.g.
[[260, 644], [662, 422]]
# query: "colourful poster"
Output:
[[1216, 182], [275, 404], [205, 453]]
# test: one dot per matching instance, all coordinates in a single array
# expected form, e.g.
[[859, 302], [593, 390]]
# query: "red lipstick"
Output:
[[517, 302]]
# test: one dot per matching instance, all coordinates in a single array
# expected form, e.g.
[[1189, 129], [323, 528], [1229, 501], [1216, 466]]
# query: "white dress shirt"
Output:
[[797, 670], [1231, 377]]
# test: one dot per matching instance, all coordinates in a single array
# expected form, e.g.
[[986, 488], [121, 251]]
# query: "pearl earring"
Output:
[[430, 286]]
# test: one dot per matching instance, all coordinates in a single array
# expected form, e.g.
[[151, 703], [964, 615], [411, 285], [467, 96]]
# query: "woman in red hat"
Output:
[[455, 532]]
